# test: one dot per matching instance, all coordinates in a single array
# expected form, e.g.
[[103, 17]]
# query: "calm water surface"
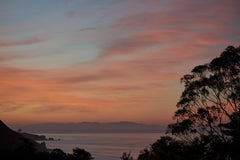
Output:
[[104, 146]]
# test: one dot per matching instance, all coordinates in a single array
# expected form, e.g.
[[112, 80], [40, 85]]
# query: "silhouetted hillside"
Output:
[[12, 141], [15, 146], [93, 127]]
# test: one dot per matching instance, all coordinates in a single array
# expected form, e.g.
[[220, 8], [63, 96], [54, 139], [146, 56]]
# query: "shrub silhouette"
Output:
[[126, 156], [80, 154], [58, 154]]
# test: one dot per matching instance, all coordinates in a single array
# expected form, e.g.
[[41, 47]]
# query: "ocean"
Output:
[[104, 146]]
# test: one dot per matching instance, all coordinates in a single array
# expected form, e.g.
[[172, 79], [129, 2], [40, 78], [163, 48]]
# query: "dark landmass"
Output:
[[12, 141], [93, 127], [15, 146]]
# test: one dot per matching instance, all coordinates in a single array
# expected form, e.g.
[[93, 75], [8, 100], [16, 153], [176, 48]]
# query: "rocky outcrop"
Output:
[[35, 137]]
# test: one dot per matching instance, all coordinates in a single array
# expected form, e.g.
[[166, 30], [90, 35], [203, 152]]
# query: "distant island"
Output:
[[93, 127]]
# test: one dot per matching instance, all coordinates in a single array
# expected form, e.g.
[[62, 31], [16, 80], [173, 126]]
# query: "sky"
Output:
[[106, 60]]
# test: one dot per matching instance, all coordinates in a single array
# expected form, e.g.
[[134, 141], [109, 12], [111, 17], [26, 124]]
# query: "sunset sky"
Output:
[[105, 60]]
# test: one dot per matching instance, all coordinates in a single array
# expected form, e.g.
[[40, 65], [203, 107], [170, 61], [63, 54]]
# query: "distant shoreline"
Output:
[[43, 133], [93, 127], [38, 137]]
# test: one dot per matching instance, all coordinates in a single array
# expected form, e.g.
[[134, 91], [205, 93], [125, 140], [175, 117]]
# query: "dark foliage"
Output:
[[167, 148], [55, 154], [80, 154]]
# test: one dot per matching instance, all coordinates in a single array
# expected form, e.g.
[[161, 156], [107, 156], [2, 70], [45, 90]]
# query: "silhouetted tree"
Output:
[[126, 156], [209, 106]]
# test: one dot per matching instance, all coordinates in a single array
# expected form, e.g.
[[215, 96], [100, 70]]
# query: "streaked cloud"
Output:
[[97, 76], [98, 61], [20, 42]]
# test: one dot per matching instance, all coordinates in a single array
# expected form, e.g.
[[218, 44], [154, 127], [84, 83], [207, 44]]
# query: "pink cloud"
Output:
[[173, 26], [136, 43], [20, 42]]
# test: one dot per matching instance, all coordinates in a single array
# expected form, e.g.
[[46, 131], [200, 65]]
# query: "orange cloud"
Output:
[[89, 77], [92, 91]]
